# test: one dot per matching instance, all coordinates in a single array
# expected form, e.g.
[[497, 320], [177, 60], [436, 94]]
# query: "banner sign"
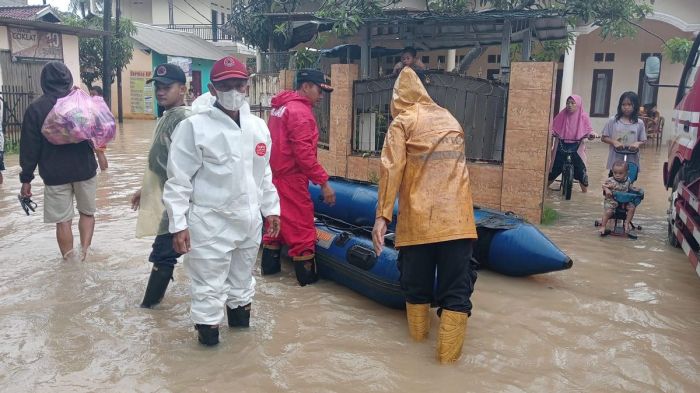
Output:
[[29, 44]]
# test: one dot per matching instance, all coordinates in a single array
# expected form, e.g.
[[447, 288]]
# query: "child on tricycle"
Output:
[[621, 199]]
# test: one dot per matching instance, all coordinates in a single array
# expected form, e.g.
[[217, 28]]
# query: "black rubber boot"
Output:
[[270, 263], [157, 284], [208, 334], [239, 316], [306, 271]]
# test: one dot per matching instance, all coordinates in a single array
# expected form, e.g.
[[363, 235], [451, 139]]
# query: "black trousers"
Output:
[[163, 252], [455, 274], [580, 172]]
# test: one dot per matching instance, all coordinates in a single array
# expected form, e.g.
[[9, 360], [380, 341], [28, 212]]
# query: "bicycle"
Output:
[[569, 147]]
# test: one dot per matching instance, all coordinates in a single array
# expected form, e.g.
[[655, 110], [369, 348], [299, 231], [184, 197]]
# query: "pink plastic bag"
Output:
[[78, 117]]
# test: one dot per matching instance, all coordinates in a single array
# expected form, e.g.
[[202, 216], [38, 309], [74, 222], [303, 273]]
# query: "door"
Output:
[[196, 83]]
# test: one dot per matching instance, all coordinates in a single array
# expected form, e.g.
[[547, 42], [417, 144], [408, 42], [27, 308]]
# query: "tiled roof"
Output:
[[29, 12]]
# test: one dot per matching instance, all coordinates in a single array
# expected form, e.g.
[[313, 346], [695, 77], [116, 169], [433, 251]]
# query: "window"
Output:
[[425, 59], [609, 57], [561, 58], [492, 74], [647, 93], [643, 56], [598, 56], [494, 59], [600, 93], [441, 59]]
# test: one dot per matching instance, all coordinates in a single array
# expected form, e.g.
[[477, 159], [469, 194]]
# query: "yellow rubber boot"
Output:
[[418, 320], [453, 326]]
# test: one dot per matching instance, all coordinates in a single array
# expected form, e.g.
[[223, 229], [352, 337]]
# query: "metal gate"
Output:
[[21, 83], [478, 104]]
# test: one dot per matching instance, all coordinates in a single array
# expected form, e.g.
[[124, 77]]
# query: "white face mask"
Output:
[[231, 100]]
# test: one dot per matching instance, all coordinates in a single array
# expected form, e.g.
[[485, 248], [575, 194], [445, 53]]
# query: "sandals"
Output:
[[605, 233]]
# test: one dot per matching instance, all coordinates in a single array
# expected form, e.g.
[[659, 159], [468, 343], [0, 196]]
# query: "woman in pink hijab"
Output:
[[571, 125]]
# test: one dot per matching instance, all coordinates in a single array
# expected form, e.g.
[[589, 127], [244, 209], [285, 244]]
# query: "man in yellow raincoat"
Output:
[[423, 161]]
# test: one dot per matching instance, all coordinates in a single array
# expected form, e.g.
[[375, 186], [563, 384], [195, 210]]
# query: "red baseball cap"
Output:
[[228, 68]]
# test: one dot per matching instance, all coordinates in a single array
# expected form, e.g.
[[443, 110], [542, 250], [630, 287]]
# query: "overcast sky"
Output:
[[60, 4]]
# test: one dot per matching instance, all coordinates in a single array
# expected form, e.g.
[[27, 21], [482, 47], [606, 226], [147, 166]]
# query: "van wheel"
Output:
[[672, 240]]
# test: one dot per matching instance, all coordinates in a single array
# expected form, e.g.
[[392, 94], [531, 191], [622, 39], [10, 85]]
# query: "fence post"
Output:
[[341, 118], [526, 153]]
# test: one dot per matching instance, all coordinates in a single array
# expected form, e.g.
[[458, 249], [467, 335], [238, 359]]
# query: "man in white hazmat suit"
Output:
[[219, 183]]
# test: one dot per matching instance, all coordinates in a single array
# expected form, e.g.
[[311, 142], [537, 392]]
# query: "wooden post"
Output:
[[365, 52], [527, 43], [505, 52]]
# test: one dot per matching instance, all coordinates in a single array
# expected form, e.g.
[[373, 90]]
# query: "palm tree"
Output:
[[86, 7]]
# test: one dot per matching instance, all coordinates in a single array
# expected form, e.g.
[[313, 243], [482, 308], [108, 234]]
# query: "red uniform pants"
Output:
[[297, 229]]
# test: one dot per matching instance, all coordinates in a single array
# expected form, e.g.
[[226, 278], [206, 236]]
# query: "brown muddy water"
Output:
[[624, 318]]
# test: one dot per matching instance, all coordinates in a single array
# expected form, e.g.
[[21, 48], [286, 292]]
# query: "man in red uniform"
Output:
[[294, 163]]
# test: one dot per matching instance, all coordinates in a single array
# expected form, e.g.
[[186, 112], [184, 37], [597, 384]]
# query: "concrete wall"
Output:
[[139, 11], [71, 56], [518, 185], [202, 65], [140, 63], [686, 11], [156, 11]]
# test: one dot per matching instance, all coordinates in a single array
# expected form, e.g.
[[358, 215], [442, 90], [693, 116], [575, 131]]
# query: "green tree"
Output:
[[90, 50], [83, 6], [616, 18], [677, 49]]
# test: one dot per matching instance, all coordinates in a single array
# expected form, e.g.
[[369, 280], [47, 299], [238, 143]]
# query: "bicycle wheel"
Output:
[[568, 175]]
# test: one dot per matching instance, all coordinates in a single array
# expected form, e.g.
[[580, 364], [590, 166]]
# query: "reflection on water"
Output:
[[624, 318]]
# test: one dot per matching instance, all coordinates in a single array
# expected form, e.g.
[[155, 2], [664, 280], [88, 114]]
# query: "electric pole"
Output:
[[120, 111], [107, 53]]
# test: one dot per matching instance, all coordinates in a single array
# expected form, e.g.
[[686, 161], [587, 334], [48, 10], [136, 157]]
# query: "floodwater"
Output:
[[624, 318]]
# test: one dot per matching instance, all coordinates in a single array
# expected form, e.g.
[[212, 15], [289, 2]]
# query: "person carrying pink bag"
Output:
[[68, 169]]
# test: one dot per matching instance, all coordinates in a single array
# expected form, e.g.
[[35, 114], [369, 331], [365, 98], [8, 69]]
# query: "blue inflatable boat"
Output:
[[506, 244]]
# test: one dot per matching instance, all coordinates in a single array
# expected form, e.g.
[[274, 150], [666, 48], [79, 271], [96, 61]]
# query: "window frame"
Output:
[[640, 85], [596, 72]]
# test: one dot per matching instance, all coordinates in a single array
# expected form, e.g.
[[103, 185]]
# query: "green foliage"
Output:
[[11, 147], [349, 14], [677, 49], [249, 22], [306, 58], [90, 50], [373, 177], [614, 17], [551, 50], [549, 216]]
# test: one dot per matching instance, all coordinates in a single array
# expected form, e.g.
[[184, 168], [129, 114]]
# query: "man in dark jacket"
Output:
[[294, 162], [67, 170]]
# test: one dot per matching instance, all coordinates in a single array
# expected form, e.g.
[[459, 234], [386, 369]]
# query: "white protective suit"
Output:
[[219, 183]]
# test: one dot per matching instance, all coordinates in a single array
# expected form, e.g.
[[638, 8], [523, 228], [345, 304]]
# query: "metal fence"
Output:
[[15, 101], [479, 106], [203, 31], [264, 86], [272, 62], [322, 110]]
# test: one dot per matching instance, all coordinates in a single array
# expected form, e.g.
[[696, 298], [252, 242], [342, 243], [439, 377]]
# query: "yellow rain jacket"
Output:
[[424, 161]]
